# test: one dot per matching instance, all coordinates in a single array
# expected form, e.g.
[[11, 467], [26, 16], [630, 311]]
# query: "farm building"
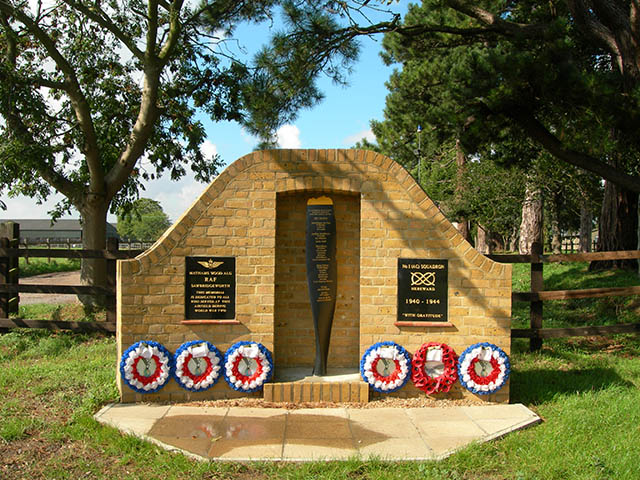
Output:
[[39, 230]]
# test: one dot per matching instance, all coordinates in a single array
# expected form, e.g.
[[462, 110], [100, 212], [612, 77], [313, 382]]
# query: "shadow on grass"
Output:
[[577, 276], [539, 385]]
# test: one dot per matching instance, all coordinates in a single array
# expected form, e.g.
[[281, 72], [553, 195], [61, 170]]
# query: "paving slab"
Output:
[[244, 434]]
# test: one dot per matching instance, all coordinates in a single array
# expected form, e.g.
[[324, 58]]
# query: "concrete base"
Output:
[[243, 434], [304, 374]]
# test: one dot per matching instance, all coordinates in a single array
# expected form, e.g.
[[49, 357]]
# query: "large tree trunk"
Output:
[[94, 237], [513, 239], [618, 226], [556, 236], [463, 227], [461, 169], [531, 226], [586, 226], [483, 242]]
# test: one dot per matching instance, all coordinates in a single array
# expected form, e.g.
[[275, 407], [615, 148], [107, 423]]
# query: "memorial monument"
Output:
[[306, 259]]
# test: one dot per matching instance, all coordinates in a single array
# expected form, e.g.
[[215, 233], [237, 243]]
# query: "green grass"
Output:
[[578, 312], [72, 312], [38, 266], [587, 390]]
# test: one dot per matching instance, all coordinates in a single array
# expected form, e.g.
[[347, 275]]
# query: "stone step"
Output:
[[300, 392]]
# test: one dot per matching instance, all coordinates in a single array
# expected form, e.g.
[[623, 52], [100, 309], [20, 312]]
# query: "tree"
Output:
[[564, 75], [88, 88], [145, 220], [556, 72]]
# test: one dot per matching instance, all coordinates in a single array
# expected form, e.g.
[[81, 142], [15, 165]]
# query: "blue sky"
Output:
[[340, 120]]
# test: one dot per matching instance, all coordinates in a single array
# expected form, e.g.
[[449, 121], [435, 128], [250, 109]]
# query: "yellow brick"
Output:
[[306, 392], [297, 392], [345, 392]]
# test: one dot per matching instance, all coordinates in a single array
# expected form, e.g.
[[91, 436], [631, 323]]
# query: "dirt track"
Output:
[[64, 278]]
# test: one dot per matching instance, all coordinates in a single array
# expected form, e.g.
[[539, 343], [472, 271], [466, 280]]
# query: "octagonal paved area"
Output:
[[242, 434]]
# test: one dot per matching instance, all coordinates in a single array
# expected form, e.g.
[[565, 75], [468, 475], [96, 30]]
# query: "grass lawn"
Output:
[[578, 312], [37, 266], [587, 390]]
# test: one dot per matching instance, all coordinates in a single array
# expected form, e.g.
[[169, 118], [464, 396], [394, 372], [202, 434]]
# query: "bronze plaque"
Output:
[[422, 290], [210, 288]]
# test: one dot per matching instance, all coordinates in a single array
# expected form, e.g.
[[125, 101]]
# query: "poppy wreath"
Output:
[[483, 368], [197, 365], [439, 354], [374, 367], [146, 366], [251, 358]]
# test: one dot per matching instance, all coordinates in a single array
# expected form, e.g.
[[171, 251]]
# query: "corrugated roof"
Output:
[[30, 224]]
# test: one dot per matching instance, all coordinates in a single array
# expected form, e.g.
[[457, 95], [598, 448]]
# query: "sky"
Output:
[[339, 121]]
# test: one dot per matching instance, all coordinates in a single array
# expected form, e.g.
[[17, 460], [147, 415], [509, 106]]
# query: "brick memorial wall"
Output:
[[254, 214]]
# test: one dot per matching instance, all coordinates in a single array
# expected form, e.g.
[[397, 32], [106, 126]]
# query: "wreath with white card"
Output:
[[483, 368], [146, 366], [247, 366], [434, 368], [198, 365], [385, 366]]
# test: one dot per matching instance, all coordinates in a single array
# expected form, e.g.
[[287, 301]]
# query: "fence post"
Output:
[[112, 246], [4, 277], [537, 285], [11, 231]]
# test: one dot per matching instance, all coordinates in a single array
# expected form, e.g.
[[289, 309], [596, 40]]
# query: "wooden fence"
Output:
[[538, 295], [10, 288]]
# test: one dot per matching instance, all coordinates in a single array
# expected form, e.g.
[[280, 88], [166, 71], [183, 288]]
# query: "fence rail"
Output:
[[537, 294], [10, 288]]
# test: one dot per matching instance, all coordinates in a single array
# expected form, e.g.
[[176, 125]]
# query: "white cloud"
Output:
[[288, 136], [248, 138], [353, 139], [209, 149], [25, 207]]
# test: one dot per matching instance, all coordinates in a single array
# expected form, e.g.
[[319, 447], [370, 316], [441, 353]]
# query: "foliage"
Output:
[[144, 221], [458, 83], [492, 72], [89, 89], [38, 266]]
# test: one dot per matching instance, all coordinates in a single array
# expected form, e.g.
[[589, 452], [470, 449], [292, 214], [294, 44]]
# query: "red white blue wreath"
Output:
[[146, 366], [197, 365], [385, 366], [247, 366], [483, 368], [434, 368]]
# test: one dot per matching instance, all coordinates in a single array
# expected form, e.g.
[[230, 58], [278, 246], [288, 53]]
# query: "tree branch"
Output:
[[45, 82], [594, 28], [496, 22], [175, 28], [72, 87], [538, 132], [152, 30], [149, 111], [102, 19]]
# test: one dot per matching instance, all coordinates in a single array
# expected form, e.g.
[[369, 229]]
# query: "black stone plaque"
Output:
[[422, 290], [321, 274], [210, 288]]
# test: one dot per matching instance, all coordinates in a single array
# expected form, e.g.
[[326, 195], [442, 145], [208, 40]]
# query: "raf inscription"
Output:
[[422, 290], [210, 288]]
